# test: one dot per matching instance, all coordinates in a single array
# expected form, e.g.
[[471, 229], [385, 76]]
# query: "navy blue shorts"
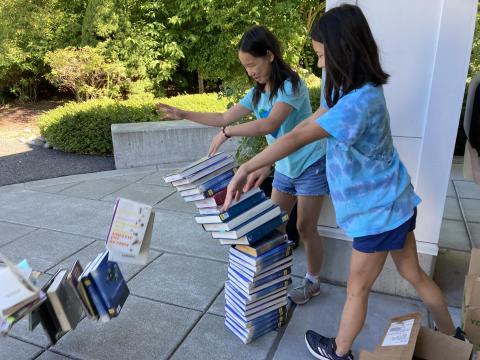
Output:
[[312, 182], [388, 240]]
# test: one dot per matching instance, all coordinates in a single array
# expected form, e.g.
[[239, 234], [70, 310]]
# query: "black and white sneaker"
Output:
[[459, 334], [323, 348]]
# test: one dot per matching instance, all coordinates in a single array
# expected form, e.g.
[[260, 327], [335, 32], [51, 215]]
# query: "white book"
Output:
[[250, 214], [130, 231], [214, 167], [249, 226], [15, 290], [195, 167]]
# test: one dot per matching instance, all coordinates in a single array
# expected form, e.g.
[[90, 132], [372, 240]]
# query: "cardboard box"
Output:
[[471, 299], [406, 339]]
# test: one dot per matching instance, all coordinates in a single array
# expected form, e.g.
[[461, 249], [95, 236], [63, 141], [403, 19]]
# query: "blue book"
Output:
[[268, 242], [211, 184], [233, 211], [248, 216], [247, 336], [231, 301], [285, 249], [93, 293], [238, 296], [250, 291], [253, 284], [262, 267], [210, 192], [277, 311], [255, 234], [248, 298], [111, 285], [259, 325], [253, 276]]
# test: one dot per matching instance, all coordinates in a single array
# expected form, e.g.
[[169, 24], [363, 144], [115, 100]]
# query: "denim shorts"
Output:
[[312, 182], [387, 241]]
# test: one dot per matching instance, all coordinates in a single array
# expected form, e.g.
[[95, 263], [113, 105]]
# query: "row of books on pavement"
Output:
[[260, 256], [98, 290]]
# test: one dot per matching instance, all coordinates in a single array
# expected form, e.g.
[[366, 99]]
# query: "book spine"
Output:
[[255, 235], [216, 180], [96, 299], [217, 187], [219, 197], [242, 206]]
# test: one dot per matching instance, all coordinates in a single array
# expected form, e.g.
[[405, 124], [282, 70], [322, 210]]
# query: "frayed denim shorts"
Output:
[[312, 182]]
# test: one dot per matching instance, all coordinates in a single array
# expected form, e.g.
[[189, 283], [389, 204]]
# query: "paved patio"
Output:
[[175, 310]]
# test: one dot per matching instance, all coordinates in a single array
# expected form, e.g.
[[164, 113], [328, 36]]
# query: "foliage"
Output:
[[86, 73], [28, 30], [85, 127]]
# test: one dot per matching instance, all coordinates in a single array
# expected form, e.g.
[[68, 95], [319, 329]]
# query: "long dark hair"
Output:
[[257, 41], [351, 54]]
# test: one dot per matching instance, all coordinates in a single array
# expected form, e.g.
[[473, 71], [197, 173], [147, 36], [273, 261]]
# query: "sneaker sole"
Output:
[[307, 300], [316, 355]]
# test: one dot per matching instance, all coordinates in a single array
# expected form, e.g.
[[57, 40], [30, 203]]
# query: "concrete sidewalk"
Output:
[[175, 310]]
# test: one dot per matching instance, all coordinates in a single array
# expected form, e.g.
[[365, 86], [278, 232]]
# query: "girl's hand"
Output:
[[218, 140], [234, 189], [256, 178], [170, 112]]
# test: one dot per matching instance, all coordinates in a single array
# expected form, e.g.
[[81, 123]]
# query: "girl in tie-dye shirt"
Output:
[[370, 187]]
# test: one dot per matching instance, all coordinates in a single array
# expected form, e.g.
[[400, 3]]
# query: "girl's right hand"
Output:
[[170, 112], [256, 178]]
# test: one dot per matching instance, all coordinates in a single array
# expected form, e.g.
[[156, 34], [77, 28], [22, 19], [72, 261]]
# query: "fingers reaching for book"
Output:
[[217, 141]]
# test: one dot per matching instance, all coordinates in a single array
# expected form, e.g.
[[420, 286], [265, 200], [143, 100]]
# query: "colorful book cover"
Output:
[[128, 227]]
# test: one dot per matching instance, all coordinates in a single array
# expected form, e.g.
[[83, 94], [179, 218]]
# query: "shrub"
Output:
[[85, 127]]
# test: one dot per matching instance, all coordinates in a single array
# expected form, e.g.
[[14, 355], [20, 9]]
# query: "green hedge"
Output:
[[85, 127]]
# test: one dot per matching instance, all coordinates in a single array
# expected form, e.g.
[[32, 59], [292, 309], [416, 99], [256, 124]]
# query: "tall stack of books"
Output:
[[260, 257]]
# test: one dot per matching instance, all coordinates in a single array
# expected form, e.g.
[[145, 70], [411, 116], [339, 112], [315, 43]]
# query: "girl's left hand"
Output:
[[218, 140], [235, 187]]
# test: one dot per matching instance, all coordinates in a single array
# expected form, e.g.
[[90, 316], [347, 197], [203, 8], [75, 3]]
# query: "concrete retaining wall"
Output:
[[164, 142]]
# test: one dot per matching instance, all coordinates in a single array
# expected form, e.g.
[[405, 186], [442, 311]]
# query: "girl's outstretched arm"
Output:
[[235, 113], [303, 134]]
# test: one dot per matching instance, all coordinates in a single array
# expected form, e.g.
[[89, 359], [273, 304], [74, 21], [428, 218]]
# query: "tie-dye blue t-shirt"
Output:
[[369, 185], [294, 164]]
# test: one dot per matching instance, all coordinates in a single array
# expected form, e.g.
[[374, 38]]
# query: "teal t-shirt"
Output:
[[294, 164], [369, 185]]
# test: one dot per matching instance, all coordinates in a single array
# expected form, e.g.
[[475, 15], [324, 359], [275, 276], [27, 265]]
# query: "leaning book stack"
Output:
[[260, 256]]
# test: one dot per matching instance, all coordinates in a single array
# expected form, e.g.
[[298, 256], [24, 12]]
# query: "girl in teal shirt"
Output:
[[280, 101]]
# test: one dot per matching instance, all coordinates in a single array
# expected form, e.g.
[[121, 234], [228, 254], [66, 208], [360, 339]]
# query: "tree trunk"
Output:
[[201, 86]]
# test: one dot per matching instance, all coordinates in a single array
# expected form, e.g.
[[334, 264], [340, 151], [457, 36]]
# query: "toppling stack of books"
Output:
[[204, 178], [99, 290], [260, 256], [256, 290]]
